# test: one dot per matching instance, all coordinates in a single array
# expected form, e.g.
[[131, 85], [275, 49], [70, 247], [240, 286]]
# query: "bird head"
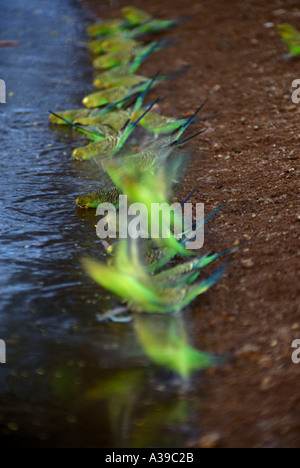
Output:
[[286, 31]]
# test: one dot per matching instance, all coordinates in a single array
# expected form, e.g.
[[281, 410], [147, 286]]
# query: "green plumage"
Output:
[[93, 200], [107, 76], [126, 81], [149, 24], [73, 115], [160, 124], [111, 44], [135, 16], [114, 120], [103, 148], [122, 93], [115, 59], [106, 28], [165, 342], [129, 280], [126, 57]]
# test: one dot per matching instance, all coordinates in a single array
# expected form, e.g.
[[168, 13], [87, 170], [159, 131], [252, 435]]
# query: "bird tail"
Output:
[[174, 75], [80, 129], [142, 56], [147, 51], [181, 20], [182, 141], [163, 261], [140, 99], [186, 234], [189, 121], [200, 288]]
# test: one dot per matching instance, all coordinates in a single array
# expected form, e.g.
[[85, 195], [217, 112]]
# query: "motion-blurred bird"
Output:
[[156, 257], [150, 188], [154, 155], [291, 37], [92, 117], [165, 342], [133, 284]]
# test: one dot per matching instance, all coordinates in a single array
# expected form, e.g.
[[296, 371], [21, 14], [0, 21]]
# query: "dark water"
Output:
[[69, 380]]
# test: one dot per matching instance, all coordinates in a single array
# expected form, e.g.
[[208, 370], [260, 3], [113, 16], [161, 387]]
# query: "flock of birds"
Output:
[[137, 271], [154, 276]]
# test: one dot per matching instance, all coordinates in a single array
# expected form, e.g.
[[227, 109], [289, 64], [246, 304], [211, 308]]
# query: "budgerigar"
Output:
[[112, 44], [130, 281], [111, 145], [106, 28], [126, 56], [124, 90], [102, 80], [291, 37], [93, 200], [62, 117]]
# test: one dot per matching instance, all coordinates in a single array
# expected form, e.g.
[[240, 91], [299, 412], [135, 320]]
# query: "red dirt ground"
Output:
[[249, 159]]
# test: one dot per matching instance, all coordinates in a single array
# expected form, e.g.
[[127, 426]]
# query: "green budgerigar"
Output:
[[94, 134], [165, 341], [291, 37], [124, 81], [129, 279], [125, 90], [92, 117], [148, 23], [106, 28], [127, 55], [112, 44], [112, 144], [106, 77]]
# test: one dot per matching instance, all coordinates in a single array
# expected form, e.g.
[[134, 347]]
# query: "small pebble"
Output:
[[266, 384], [249, 351], [249, 263]]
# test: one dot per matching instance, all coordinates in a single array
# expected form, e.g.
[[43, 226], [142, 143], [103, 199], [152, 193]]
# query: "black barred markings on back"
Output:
[[2, 352]]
